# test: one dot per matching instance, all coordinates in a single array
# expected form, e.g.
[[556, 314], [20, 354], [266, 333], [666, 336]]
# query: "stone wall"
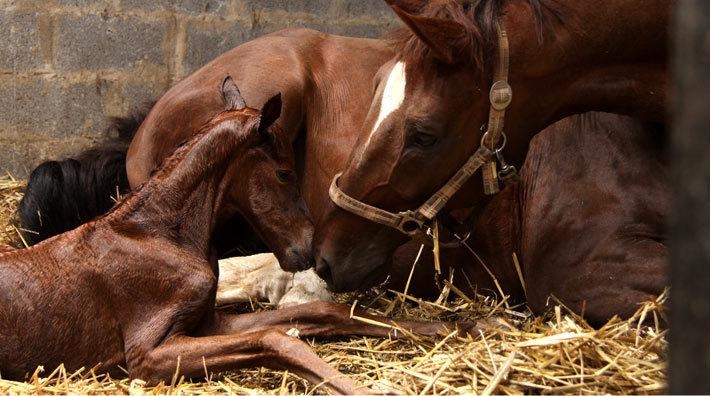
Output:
[[68, 65]]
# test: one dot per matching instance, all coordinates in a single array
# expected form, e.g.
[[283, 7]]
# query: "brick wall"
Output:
[[67, 65]]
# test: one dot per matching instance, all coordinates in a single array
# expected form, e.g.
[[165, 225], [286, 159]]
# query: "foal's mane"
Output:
[[219, 121], [205, 135], [479, 17]]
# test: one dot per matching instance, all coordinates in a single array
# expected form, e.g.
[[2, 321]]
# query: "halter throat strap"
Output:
[[414, 223]]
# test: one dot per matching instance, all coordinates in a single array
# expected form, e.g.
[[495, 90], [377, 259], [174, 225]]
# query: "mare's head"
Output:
[[430, 105], [261, 180]]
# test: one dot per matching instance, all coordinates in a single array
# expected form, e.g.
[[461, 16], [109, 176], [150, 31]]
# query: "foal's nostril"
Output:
[[307, 263], [300, 259]]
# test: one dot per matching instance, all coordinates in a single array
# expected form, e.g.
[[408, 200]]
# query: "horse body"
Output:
[[320, 81], [81, 305], [105, 284], [583, 62], [587, 221]]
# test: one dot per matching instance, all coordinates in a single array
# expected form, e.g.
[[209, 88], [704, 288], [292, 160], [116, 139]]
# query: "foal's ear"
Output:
[[231, 96], [270, 113], [442, 36]]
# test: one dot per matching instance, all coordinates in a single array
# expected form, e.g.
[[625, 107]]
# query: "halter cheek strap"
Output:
[[415, 223], [500, 96]]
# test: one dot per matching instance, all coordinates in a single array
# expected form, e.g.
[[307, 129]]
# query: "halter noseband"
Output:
[[415, 223]]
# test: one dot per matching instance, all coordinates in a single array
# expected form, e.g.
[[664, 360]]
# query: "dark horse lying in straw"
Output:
[[136, 288], [326, 93]]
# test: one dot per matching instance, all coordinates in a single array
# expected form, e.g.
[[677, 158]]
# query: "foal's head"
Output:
[[237, 164], [258, 180]]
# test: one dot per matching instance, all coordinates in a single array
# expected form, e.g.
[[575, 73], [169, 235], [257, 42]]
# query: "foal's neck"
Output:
[[182, 200], [609, 57]]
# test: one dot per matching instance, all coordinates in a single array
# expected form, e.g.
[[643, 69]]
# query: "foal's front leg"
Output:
[[191, 357], [326, 319]]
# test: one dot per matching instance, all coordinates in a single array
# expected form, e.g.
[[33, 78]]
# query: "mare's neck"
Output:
[[182, 200], [605, 57]]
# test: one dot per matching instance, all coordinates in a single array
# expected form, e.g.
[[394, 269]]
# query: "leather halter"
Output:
[[415, 223]]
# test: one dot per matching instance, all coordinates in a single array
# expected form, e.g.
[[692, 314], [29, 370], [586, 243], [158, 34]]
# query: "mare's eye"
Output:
[[284, 175], [422, 139]]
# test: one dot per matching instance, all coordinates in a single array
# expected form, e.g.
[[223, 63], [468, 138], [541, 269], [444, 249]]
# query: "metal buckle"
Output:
[[507, 172], [410, 224], [494, 150]]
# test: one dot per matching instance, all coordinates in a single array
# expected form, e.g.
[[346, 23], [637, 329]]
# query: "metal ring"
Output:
[[499, 148]]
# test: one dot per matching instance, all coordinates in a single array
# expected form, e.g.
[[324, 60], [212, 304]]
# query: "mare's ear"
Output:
[[231, 96], [270, 113], [409, 6], [442, 36]]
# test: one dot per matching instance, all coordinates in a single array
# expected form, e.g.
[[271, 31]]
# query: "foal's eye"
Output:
[[284, 175], [422, 139]]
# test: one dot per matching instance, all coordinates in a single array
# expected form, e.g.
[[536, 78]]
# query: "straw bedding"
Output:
[[514, 352]]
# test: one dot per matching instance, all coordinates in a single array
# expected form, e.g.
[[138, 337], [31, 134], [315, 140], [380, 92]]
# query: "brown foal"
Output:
[[136, 288]]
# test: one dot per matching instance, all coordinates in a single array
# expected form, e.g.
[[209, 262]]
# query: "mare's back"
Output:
[[283, 62]]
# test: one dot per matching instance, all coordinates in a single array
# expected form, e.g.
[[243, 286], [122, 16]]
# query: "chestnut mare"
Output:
[[136, 288], [431, 107]]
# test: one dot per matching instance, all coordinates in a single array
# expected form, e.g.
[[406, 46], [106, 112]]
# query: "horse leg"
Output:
[[260, 277], [620, 275], [195, 357], [592, 230], [326, 319]]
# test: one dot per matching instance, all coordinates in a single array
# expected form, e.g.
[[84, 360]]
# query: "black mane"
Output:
[[63, 194]]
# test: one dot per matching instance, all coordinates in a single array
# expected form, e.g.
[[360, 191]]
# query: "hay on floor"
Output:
[[10, 196], [514, 352]]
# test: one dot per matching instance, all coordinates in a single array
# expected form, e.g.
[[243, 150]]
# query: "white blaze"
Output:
[[393, 95]]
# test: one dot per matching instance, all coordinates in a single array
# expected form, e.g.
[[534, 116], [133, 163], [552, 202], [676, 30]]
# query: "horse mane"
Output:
[[207, 132], [62, 195], [479, 17]]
